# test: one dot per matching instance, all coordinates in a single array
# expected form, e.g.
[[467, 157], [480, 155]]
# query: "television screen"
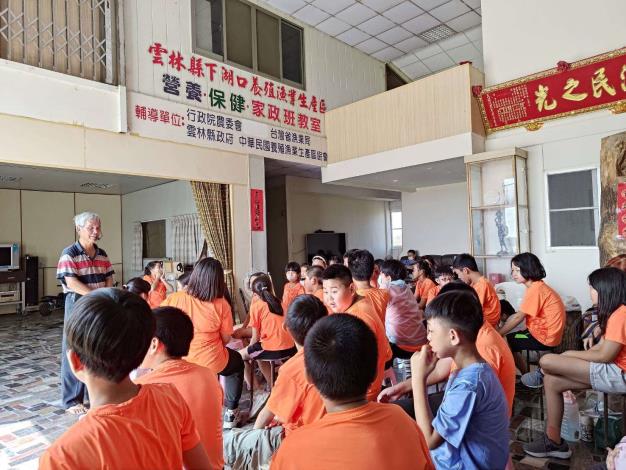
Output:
[[325, 244]]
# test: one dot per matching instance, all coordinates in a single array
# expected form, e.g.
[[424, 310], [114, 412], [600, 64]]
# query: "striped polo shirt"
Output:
[[93, 272]]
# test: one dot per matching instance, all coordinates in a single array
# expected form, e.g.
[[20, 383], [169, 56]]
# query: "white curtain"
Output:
[[137, 247], [187, 238]]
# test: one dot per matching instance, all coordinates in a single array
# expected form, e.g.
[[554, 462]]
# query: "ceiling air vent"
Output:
[[437, 33], [97, 185]]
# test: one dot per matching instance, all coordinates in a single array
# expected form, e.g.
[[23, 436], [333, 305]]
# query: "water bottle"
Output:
[[570, 426]]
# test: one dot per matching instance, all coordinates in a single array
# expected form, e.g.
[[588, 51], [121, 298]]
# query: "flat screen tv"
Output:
[[325, 244]]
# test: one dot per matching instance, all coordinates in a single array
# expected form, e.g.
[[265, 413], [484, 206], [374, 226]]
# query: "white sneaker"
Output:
[[231, 418]]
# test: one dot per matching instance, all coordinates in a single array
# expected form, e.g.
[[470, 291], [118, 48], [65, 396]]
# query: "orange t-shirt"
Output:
[[379, 299], [423, 287], [269, 326], [156, 296], [545, 313], [370, 437], [210, 320], [294, 400], [151, 430], [494, 349], [203, 395], [319, 293], [433, 293], [616, 331], [364, 310], [290, 292], [489, 300]]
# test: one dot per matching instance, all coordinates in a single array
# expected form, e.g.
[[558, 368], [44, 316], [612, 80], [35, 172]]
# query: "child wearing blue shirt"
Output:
[[470, 430]]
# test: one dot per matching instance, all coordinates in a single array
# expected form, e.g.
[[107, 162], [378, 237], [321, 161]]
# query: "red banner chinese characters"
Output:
[[590, 84], [256, 210], [621, 209]]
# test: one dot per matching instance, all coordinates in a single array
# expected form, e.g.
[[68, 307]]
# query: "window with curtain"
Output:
[[187, 238]]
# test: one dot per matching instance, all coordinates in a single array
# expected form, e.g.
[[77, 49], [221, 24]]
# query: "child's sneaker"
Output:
[[533, 379], [544, 447], [231, 418]]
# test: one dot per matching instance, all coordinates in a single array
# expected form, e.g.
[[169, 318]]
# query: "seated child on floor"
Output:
[[602, 368], [470, 429], [269, 339], [293, 401], [404, 321], [198, 385], [340, 358], [341, 297], [128, 426], [293, 288]]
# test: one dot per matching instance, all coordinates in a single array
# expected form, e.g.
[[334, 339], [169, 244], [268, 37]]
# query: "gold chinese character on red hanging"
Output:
[[569, 88], [600, 82], [622, 77], [541, 99]]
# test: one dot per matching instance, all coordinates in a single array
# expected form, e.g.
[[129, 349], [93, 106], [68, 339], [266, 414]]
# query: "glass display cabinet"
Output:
[[498, 210]]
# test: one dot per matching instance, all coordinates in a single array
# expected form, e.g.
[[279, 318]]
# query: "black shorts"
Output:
[[524, 341], [257, 352]]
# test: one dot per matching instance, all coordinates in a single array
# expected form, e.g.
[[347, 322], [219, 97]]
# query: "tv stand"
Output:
[[17, 277]]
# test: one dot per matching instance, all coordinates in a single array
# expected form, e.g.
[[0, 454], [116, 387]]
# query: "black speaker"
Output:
[[31, 268]]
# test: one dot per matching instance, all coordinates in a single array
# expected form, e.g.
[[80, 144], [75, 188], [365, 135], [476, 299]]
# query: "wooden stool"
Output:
[[273, 363]]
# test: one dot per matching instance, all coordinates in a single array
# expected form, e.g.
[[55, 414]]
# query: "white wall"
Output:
[[156, 203], [309, 208], [521, 38], [434, 220], [561, 145], [258, 240], [333, 70]]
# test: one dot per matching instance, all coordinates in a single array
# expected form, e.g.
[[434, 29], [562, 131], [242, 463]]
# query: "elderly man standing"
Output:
[[83, 267]]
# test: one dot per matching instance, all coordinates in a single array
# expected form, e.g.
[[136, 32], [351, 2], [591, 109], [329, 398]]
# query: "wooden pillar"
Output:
[[612, 170]]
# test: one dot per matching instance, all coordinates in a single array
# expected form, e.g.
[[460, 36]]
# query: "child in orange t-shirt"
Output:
[[340, 359], [541, 307], [138, 286], [269, 339], [602, 367], [292, 288], [313, 283], [198, 385], [361, 265], [341, 297], [128, 425], [154, 275], [293, 401], [443, 275], [422, 273], [466, 269]]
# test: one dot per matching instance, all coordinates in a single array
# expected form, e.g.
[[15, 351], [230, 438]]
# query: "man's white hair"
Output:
[[81, 219]]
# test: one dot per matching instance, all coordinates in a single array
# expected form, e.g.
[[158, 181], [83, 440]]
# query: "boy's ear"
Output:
[[352, 288], [155, 345], [75, 363], [454, 337]]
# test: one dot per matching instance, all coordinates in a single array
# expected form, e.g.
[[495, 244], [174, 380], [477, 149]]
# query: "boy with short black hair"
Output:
[[466, 269], [361, 265], [443, 275], [341, 297], [198, 385], [340, 356], [313, 282], [470, 429], [128, 426], [293, 288], [293, 402]]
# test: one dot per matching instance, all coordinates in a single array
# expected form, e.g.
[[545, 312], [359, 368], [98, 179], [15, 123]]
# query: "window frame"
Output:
[[391, 212], [254, 70], [548, 211]]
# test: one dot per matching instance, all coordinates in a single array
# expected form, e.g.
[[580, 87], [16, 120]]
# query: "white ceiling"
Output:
[[279, 168], [409, 179], [50, 179], [420, 37]]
